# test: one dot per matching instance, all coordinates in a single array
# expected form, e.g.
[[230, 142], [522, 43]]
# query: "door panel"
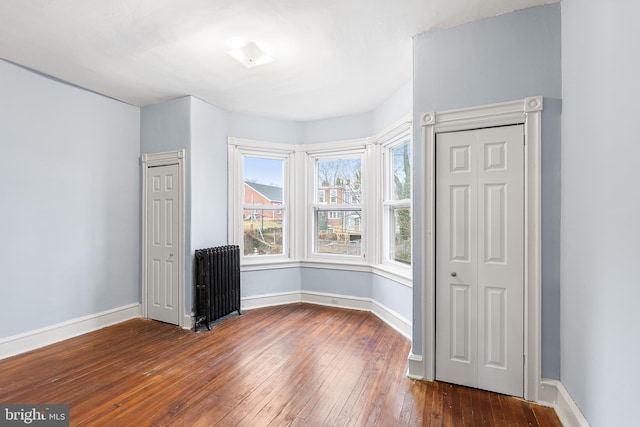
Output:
[[162, 216], [480, 256], [460, 217], [460, 323], [501, 261], [456, 194]]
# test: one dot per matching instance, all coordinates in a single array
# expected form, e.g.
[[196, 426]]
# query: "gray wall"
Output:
[[508, 57], [600, 209], [69, 183]]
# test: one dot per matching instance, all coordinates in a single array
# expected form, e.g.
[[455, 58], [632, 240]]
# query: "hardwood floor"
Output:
[[292, 365]]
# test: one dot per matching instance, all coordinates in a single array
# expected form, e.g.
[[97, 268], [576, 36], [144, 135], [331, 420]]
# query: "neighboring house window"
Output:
[[333, 196], [336, 228], [321, 196], [397, 200], [259, 204]]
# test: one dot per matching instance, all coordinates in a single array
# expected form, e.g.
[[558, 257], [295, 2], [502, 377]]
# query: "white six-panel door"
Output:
[[480, 259], [162, 224]]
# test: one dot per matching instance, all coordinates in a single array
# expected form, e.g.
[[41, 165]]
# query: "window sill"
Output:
[[397, 274], [331, 264], [400, 275], [268, 264]]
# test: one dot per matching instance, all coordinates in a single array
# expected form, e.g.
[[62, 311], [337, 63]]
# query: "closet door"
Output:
[[480, 259]]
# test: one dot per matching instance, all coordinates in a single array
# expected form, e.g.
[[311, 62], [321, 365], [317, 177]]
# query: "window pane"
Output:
[[343, 179], [339, 232], [401, 185], [262, 228], [401, 235], [263, 232], [263, 171]]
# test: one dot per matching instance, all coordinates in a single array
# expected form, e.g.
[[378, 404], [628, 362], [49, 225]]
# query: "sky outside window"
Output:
[[263, 171]]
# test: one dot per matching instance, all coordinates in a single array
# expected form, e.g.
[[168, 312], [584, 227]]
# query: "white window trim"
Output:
[[302, 199], [238, 148], [391, 138], [333, 151]]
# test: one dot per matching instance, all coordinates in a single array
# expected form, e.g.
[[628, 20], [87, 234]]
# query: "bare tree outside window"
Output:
[[400, 215], [339, 231]]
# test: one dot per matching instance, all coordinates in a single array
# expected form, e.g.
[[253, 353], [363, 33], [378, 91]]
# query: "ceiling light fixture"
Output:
[[250, 55]]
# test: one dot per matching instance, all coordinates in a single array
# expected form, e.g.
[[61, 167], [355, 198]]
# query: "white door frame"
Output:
[[164, 159], [527, 111]]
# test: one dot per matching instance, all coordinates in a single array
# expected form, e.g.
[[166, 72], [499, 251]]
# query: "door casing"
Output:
[[150, 160], [527, 111]]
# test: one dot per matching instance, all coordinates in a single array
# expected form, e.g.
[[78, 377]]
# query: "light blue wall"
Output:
[[393, 109], [167, 127], [340, 282], [69, 184], [208, 175], [208, 181], [263, 129], [264, 282], [600, 209], [393, 295], [508, 57], [337, 129]]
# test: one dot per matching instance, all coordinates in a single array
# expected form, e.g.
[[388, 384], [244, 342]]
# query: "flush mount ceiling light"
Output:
[[250, 55]]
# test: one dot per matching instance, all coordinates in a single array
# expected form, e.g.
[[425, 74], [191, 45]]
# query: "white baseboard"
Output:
[[188, 321], [390, 317], [416, 367], [335, 300], [269, 300], [555, 394], [31, 340]]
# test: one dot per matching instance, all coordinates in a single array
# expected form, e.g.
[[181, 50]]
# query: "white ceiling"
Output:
[[332, 57]]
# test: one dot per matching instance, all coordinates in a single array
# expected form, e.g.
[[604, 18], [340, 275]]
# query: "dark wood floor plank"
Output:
[[344, 376], [370, 390], [544, 415], [297, 364], [497, 413]]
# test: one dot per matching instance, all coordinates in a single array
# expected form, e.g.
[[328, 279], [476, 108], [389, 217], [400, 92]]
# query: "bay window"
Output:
[[324, 205]]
